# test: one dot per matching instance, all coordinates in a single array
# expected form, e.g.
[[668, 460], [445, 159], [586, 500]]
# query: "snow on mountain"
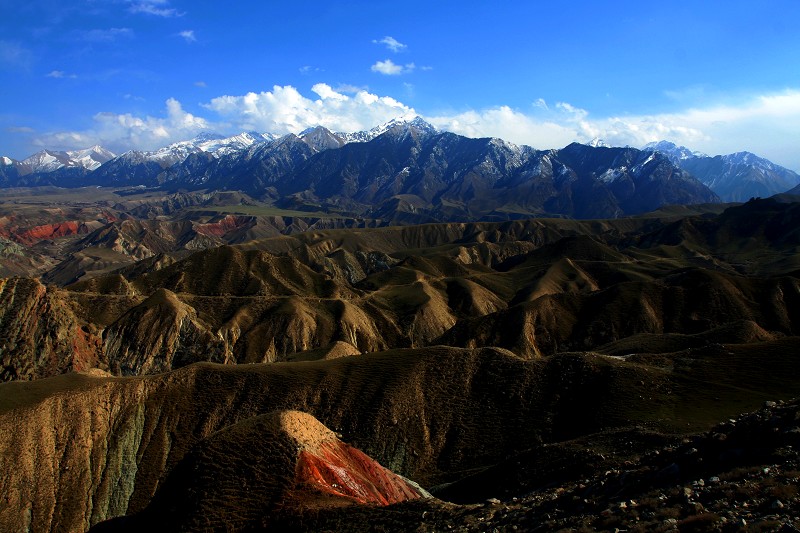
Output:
[[597, 142], [734, 177], [401, 122], [320, 139], [747, 158], [225, 145], [91, 158], [7, 160], [47, 161], [209, 142], [673, 151], [51, 160]]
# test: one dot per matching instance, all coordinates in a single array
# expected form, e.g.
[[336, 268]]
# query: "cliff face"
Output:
[[40, 335]]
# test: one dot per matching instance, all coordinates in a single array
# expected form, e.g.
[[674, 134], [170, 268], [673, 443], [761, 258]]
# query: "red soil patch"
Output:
[[338, 469], [220, 228], [51, 231]]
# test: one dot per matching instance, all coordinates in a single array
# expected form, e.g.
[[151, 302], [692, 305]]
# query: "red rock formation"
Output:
[[40, 335], [223, 226], [338, 469], [51, 231]]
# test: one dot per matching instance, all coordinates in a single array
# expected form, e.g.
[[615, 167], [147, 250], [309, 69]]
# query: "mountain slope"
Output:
[[402, 172], [734, 177], [534, 287]]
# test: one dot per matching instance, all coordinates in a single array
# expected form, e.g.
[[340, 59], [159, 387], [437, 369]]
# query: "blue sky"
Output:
[[715, 76]]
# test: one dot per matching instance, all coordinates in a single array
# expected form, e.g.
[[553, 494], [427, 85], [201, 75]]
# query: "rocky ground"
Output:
[[740, 476]]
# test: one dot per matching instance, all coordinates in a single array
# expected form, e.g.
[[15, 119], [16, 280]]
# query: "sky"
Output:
[[715, 76]]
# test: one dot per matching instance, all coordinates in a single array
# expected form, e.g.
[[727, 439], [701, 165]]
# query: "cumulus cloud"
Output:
[[391, 43], [121, 132], [714, 129], [389, 68], [188, 36], [508, 124], [768, 125], [285, 110]]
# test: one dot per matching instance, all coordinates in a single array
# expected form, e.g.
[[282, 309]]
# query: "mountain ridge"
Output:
[[734, 177], [407, 171]]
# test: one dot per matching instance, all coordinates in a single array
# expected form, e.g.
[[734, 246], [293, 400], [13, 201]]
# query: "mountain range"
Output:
[[409, 172], [734, 177], [256, 333], [543, 374]]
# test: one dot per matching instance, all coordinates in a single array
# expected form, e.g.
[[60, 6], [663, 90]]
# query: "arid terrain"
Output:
[[203, 362]]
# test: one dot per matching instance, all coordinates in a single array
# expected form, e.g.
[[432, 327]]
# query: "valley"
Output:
[[494, 338], [158, 377]]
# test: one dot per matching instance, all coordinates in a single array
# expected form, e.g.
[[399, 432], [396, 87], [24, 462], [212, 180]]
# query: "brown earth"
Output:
[[534, 287], [86, 449], [486, 360]]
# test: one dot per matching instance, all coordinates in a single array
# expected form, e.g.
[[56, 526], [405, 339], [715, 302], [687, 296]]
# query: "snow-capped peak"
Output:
[[597, 142], [673, 151], [320, 138], [90, 158], [748, 158], [401, 123], [51, 160], [7, 160]]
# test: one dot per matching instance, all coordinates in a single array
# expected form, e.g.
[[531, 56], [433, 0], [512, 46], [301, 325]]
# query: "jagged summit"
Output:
[[597, 142], [321, 138], [401, 123], [672, 150], [734, 177], [51, 160]]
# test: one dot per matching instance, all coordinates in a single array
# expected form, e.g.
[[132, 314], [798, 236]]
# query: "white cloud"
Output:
[[389, 68], [308, 69], [121, 132], [285, 110], [200, 83], [508, 124], [188, 35], [159, 8], [391, 43], [107, 35], [541, 104], [59, 74], [349, 89], [575, 112], [768, 125]]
